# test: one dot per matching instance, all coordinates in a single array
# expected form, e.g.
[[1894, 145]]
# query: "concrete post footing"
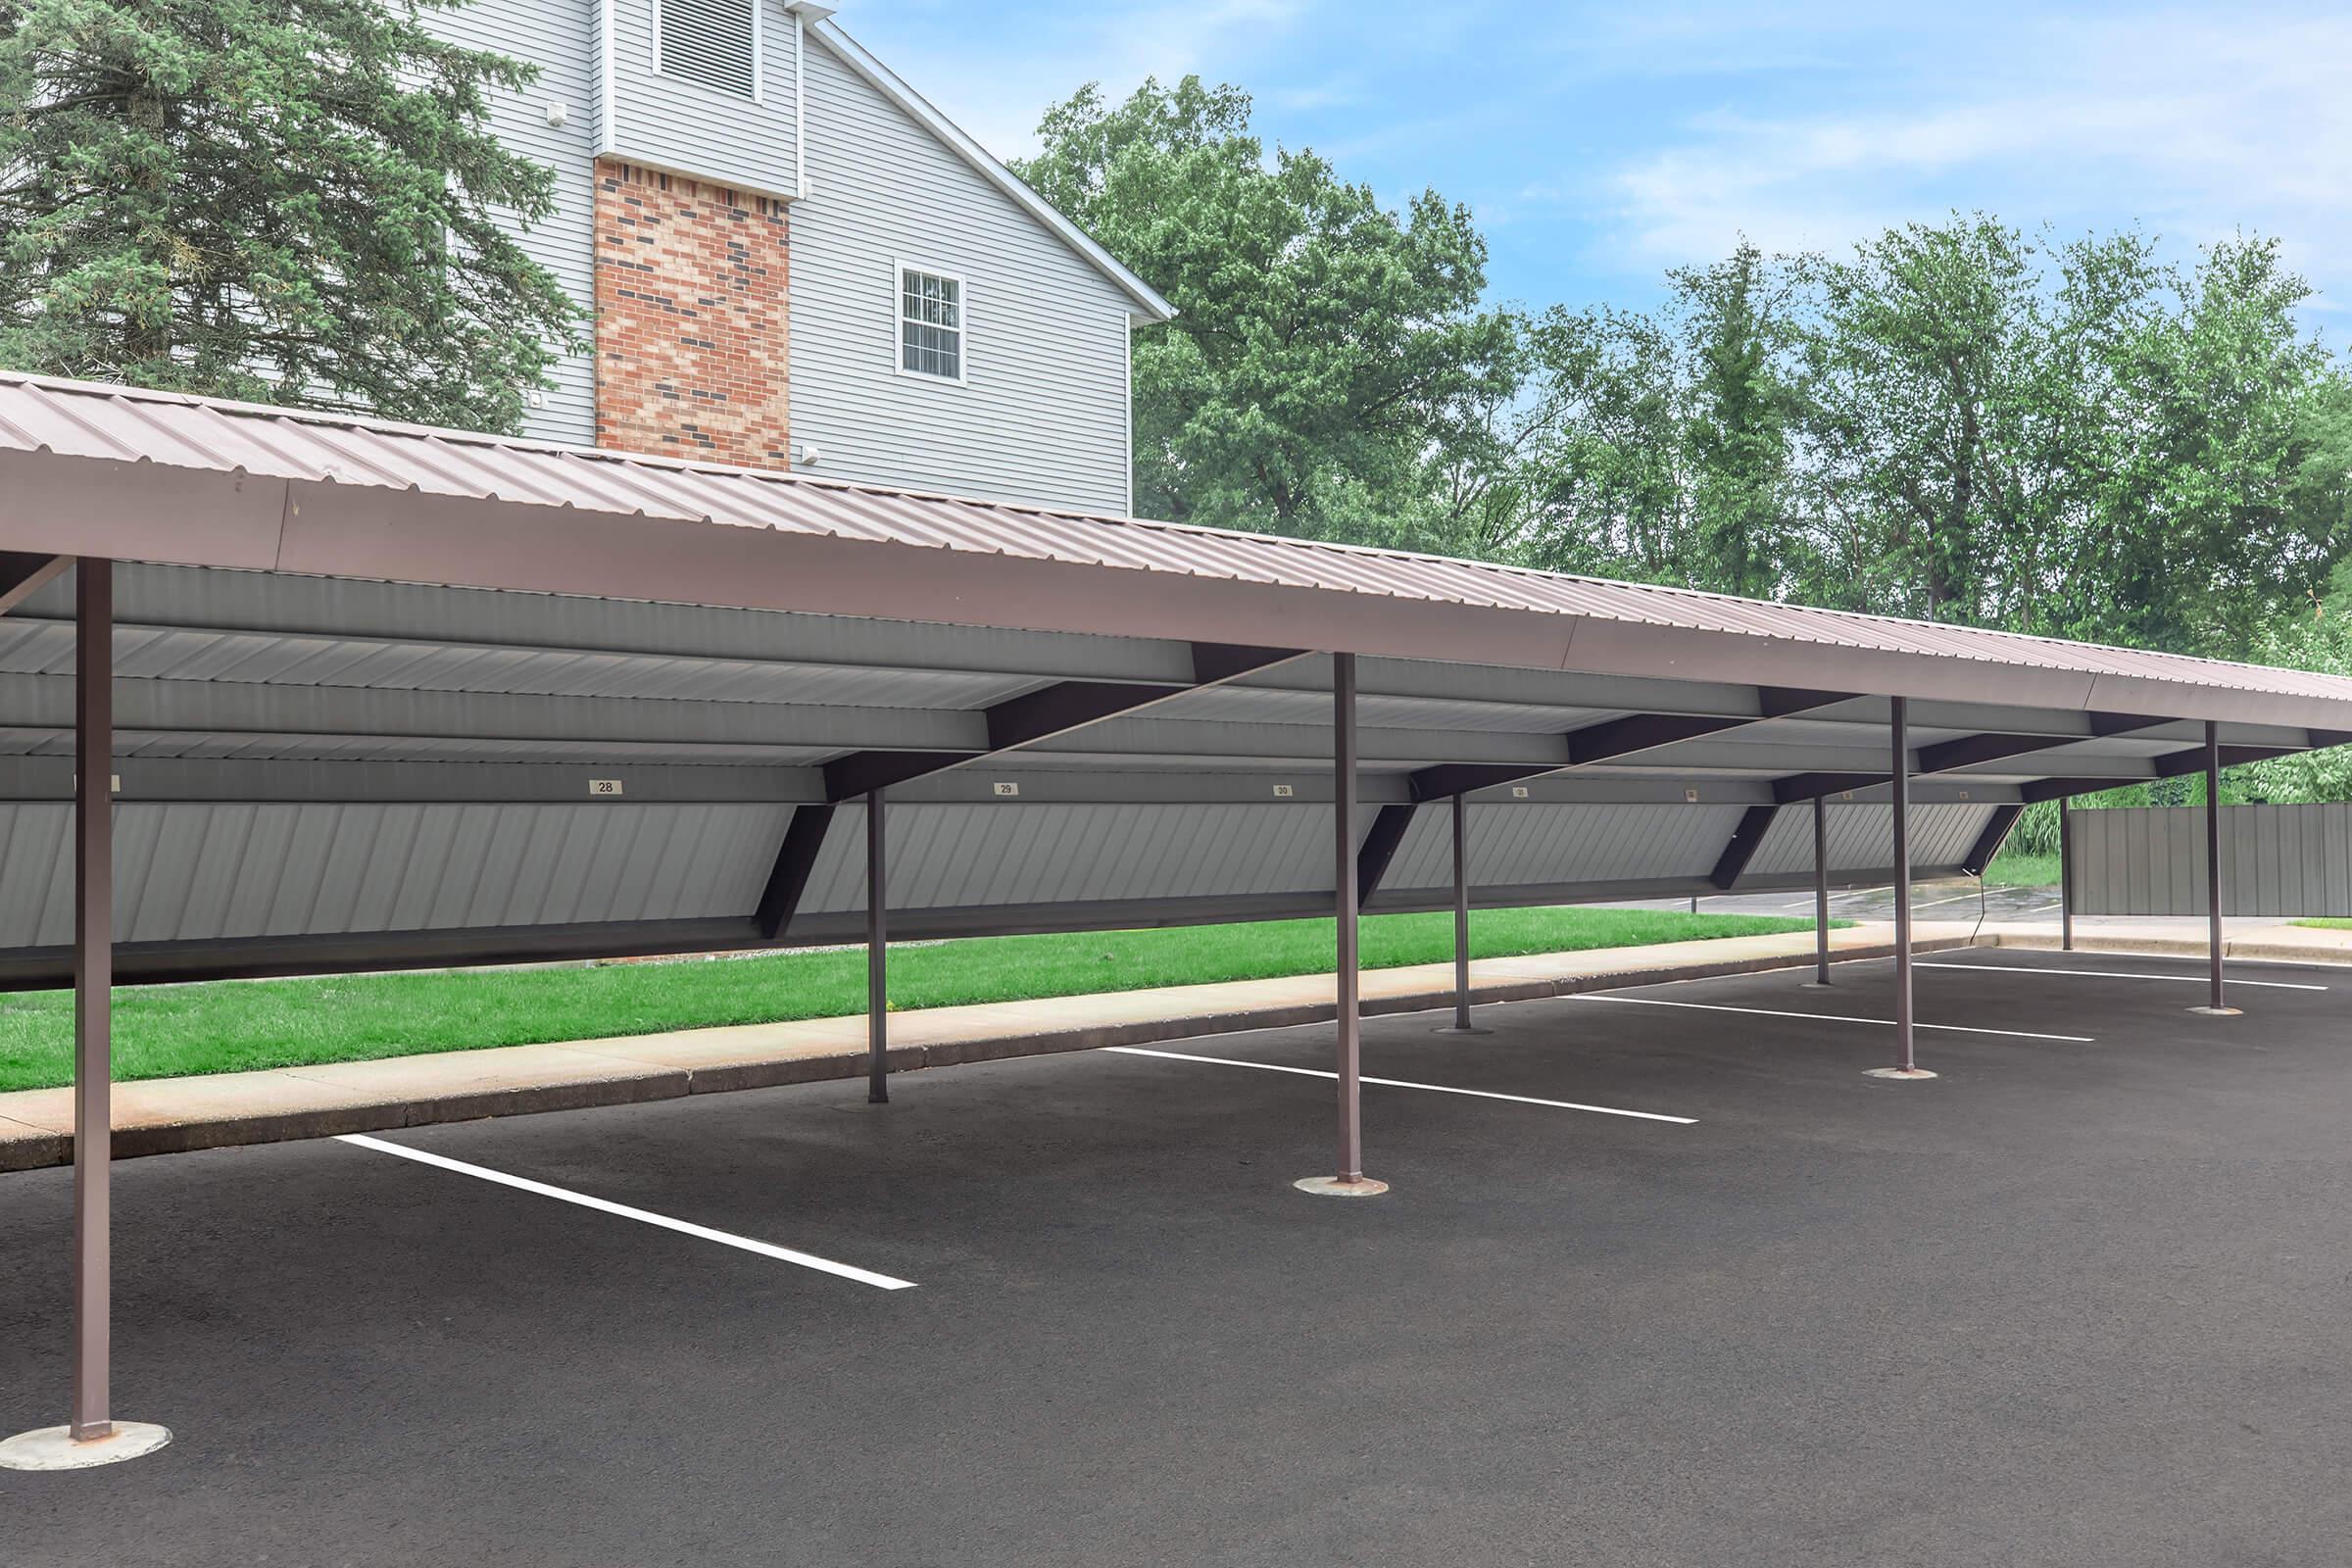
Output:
[[1333, 1187], [55, 1447]]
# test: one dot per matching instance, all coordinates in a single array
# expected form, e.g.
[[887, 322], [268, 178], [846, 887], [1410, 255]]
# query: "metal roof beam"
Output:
[[24, 573], [2172, 765], [1381, 842], [1618, 738], [1989, 842], [1148, 742], [1973, 750], [1967, 751], [161, 600], [231, 708], [1038, 715], [1754, 823], [1804, 786], [788, 878]]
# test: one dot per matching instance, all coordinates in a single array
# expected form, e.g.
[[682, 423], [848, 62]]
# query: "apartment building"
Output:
[[792, 260]]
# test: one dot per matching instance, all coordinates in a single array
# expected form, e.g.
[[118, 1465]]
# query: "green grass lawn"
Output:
[[2022, 871], [2326, 922], [228, 1026]]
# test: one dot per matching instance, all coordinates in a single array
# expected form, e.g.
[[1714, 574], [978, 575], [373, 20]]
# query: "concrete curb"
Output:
[[616, 1080], [2277, 951]]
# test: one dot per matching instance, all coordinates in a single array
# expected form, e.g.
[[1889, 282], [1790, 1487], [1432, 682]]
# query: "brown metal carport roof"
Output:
[[156, 477]]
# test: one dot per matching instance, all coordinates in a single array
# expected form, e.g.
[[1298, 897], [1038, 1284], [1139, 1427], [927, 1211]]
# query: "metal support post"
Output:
[[1461, 1024], [1906, 1060], [92, 1436], [1821, 892], [2065, 875], [1350, 1181], [2217, 1003], [877, 958], [93, 992]]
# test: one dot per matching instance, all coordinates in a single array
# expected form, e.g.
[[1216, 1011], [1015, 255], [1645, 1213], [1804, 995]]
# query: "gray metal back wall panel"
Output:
[[1539, 842], [2287, 860], [1041, 414], [559, 36], [1861, 837], [37, 874], [189, 871], [967, 855]]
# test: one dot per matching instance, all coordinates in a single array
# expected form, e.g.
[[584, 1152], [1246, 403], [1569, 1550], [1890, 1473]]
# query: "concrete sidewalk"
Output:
[[2272, 940], [174, 1116]]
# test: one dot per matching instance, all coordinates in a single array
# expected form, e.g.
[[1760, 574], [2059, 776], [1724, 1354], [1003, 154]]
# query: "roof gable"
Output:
[[916, 107]]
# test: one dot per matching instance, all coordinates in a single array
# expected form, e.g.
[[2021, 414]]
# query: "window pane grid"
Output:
[[930, 324]]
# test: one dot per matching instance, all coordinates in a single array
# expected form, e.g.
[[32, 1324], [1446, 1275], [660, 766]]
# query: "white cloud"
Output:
[[2197, 125]]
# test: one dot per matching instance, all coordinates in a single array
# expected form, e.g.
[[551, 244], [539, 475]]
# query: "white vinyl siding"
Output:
[[559, 36], [680, 121], [1041, 414]]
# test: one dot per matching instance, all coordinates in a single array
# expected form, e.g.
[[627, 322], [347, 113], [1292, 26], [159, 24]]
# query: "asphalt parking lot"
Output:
[[2080, 1300]]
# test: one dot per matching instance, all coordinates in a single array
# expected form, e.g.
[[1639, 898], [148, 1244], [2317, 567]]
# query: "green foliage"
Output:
[[1957, 420], [1960, 423], [2320, 640], [1664, 448], [284, 200], [1329, 351]]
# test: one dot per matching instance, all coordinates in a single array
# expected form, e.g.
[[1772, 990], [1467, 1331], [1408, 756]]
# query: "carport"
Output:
[[388, 697]]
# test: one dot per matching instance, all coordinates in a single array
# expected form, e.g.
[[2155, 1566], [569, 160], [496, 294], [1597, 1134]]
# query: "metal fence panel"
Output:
[[2281, 861]]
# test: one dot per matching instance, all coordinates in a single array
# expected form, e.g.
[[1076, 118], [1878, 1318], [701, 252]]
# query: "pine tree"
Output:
[[290, 201]]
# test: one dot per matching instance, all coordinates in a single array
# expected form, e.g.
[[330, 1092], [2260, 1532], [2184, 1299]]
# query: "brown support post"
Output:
[[92, 1436], [877, 958], [1461, 1024], [2217, 1003], [93, 991], [1906, 1060], [2065, 875], [1821, 892], [1350, 1180], [1461, 920]]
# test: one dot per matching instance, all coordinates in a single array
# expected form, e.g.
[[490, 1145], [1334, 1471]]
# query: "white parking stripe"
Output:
[[2233, 958], [783, 1255], [2118, 974], [1929, 904], [1827, 1017], [1398, 1083], [1806, 902]]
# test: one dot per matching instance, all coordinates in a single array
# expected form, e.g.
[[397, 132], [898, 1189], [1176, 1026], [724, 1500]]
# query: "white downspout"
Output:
[[608, 129], [800, 106]]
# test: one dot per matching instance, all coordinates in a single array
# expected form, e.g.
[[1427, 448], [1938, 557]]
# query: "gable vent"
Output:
[[715, 42]]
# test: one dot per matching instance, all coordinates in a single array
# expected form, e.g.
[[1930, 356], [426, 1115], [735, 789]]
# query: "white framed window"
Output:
[[714, 42], [931, 324]]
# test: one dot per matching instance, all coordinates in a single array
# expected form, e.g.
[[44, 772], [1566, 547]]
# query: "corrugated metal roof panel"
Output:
[[46, 647], [119, 424]]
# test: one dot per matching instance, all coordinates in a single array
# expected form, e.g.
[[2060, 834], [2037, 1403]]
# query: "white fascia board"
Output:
[[912, 103]]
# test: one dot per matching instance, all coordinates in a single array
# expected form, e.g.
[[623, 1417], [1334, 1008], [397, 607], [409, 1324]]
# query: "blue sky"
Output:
[[1599, 145]]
